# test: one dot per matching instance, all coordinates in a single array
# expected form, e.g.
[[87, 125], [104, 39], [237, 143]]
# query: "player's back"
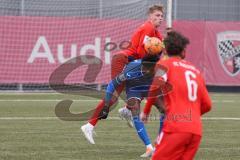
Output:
[[136, 79], [183, 103], [133, 69], [133, 72]]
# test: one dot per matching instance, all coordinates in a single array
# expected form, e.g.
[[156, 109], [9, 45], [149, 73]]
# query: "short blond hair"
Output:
[[155, 7]]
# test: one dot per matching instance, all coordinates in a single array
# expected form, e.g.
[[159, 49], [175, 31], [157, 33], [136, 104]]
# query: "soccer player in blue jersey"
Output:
[[138, 77]]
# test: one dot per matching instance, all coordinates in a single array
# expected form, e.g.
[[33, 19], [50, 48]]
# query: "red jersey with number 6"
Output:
[[188, 99]]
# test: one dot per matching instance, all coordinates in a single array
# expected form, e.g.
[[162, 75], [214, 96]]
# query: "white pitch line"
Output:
[[110, 118], [224, 101], [224, 95], [220, 118], [89, 100], [44, 100], [28, 118]]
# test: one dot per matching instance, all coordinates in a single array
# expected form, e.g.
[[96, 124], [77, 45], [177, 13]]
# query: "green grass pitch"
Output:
[[30, 130]]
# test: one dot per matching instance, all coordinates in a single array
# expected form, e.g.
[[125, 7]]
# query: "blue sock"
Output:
[[161, 123], [142, 133]]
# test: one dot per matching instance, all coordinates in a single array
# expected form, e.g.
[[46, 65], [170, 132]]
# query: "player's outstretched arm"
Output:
[[155, 90], [148, 105], [159, 103]]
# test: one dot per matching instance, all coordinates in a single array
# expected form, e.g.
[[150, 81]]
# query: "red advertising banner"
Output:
[[214, 49], [32, 48], [222, 53]]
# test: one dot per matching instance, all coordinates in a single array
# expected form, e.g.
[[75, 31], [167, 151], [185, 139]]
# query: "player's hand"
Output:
[[144, 117], [157, 140], [104, 113]]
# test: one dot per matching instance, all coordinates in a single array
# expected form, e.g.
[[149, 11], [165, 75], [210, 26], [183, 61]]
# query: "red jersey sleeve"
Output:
[[159, 80], [206, 103], [148, 105]]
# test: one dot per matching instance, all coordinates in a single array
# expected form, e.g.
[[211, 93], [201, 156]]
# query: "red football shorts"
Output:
[[176, 146]]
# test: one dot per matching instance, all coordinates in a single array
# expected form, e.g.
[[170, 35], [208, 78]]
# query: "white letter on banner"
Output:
[[61, 58], [37, 54], [96, 48]]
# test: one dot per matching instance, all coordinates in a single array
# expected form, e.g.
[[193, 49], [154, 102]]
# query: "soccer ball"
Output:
[[153, 46]]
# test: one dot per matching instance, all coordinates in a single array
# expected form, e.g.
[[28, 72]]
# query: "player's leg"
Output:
[[134, 106], [171, 145], [118, 63], [192, 148], [126, 114], [117, 68]]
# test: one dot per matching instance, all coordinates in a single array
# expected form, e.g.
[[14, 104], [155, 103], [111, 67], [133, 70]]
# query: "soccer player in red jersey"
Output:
[[184, 105], [135, 51]]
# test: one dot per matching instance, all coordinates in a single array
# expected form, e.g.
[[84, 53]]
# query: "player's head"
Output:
[[175, 44], [149, 62], [155, 14]]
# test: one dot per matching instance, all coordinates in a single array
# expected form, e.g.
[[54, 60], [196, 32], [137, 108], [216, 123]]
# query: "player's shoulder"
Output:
[[133, 64], [146, 26], [186, 66], [190, 66], [165, 61], [162, 66], [175, 62]]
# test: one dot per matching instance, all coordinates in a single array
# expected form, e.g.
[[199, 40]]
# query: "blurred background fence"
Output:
[[38, 36]]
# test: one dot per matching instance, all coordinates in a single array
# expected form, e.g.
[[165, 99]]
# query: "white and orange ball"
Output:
[[153, 46]]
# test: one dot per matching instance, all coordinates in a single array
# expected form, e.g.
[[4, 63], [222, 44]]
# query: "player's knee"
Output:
[[121, 57], [118, 63], [134, 106]]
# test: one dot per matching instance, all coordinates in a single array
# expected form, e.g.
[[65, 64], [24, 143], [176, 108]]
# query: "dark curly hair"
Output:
[[175, 43]]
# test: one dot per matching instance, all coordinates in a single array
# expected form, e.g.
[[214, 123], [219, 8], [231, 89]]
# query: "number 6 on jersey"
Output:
[[191, 85]]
